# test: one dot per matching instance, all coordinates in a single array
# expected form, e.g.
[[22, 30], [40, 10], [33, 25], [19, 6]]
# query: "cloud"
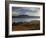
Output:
[[25, 10]]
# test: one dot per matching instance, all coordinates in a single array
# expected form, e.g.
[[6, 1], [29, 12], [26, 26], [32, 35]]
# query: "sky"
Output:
[[31, 11], [24, 19]]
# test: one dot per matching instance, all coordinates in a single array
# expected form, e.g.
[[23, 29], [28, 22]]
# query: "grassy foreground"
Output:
[[33, 25]]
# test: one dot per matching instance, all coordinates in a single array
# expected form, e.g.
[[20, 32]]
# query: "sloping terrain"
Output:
[[33, 25]]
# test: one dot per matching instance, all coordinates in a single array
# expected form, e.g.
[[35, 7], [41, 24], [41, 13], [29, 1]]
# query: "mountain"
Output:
[[25, 16]]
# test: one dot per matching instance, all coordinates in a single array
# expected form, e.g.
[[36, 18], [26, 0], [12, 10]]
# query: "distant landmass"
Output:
[[25, 16]]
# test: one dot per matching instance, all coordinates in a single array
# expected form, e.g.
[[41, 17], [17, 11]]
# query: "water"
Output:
[[24, 19]]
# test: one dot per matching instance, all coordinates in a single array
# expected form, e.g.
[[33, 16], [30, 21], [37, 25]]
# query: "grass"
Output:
[[21, 26]]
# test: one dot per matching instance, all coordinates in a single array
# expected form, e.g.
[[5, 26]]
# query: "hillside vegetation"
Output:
[[33, 25]]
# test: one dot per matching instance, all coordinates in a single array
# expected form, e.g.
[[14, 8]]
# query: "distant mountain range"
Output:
[[25, 16]]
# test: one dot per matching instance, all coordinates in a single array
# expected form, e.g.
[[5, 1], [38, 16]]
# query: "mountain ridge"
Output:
[[25, 16]]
